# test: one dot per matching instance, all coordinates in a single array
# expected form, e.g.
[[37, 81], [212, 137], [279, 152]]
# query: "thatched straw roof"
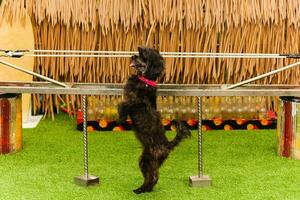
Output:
[[195, 14], [260, 26], [173, 25]]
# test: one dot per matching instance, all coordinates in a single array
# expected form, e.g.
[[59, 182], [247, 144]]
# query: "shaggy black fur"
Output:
[[140, 104]]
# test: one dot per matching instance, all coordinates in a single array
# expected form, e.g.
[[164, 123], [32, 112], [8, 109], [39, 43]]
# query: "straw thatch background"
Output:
[[260, 26]]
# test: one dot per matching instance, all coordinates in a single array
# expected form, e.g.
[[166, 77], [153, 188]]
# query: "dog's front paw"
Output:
[[142, 190], [138, 191]]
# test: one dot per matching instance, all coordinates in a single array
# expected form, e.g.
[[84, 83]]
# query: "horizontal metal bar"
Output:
[[162, 52], [79, 55], [114, 54], [163, 89], [291, 55], [32, 73], [264, 75], [165, 56]]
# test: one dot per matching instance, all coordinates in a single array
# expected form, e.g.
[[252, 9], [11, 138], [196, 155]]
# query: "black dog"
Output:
[[140, 104]]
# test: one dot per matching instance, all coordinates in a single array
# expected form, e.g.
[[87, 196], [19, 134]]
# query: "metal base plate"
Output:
[[86, 180], [203, 181]]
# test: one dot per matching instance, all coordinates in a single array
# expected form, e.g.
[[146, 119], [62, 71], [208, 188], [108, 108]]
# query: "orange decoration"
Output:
[[103, 123], [90, 129], [205, 128], [166, 122], [265, 122], [251, 127], [218, 121], [241, 121], [173, 128], [118, 128], [227, 127], [192, 122]]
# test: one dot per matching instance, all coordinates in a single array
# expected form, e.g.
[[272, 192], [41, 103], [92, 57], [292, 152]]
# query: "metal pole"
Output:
[[200, 180], [200, 163], [85, 53], [85, 140], [262, 76], [86, 179], [81, 55], [33, 73], [163, 55], [211, 54]]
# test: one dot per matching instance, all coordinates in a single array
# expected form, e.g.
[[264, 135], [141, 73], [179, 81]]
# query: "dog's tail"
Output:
[[182, 133]]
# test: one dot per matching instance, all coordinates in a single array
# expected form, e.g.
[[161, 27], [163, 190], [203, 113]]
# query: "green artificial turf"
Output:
[[242, 165]]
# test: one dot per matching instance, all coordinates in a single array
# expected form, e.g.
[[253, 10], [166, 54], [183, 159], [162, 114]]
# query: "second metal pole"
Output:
[[86, 179], [200, 161], [85, 146], [200, 180]]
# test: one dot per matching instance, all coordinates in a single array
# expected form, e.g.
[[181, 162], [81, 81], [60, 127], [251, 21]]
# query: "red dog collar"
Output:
[[147, 81]]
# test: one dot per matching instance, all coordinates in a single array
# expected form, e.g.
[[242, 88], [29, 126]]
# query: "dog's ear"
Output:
[[142, 51], [140, 48], [146, 52]]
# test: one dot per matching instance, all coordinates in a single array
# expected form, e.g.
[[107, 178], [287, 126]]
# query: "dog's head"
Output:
[[148, 63]]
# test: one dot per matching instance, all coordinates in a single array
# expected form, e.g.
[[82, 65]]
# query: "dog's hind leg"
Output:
[[145, 166], [150, 162]]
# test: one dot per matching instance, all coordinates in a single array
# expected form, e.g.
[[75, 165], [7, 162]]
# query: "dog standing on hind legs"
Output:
[[140, 105]]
